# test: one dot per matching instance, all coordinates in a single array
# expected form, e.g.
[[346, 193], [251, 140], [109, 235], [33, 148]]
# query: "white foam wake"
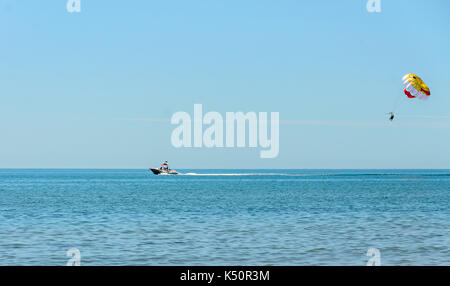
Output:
[[242, 174]]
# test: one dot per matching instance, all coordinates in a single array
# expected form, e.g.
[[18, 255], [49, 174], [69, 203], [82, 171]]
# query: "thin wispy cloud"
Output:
[[346, 123], [427, 116], [372, 124], [342, 123], [156, 120]]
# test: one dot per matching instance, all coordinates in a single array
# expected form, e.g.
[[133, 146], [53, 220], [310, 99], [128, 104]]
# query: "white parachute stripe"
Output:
[[406, 81], [416, 93]]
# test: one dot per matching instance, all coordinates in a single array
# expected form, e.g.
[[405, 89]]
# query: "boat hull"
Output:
[[155, 171], [163, 172]]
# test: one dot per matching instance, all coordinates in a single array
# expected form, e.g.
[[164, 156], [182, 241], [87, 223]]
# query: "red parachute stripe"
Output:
[[426, 91], [409, 94]]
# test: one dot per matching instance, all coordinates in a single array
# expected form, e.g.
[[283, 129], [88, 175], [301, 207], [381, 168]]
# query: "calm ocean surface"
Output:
[[262, 217]]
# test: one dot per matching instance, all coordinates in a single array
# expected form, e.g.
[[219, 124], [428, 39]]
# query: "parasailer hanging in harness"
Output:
[[391, 116], [414, 88]]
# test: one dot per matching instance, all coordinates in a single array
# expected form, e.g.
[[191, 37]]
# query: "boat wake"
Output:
[[346, 175], [243, 174]]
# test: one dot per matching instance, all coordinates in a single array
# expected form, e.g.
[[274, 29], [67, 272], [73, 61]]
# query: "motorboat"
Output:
[[164, 170]]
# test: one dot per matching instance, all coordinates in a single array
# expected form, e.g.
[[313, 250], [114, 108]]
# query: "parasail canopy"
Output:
[[415, 87]]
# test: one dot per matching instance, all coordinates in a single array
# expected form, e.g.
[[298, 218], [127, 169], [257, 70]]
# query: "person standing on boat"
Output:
[[165, 166]]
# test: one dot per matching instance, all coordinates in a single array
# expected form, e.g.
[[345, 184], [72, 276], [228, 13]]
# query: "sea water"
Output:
[[225, 217]]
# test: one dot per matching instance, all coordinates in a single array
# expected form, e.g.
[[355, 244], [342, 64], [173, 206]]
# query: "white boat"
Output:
[[164, 170]]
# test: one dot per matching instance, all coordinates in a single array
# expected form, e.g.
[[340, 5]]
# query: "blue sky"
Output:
[[96, 89]]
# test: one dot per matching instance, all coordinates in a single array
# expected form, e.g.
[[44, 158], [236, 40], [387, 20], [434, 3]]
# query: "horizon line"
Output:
[[53, 168]]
